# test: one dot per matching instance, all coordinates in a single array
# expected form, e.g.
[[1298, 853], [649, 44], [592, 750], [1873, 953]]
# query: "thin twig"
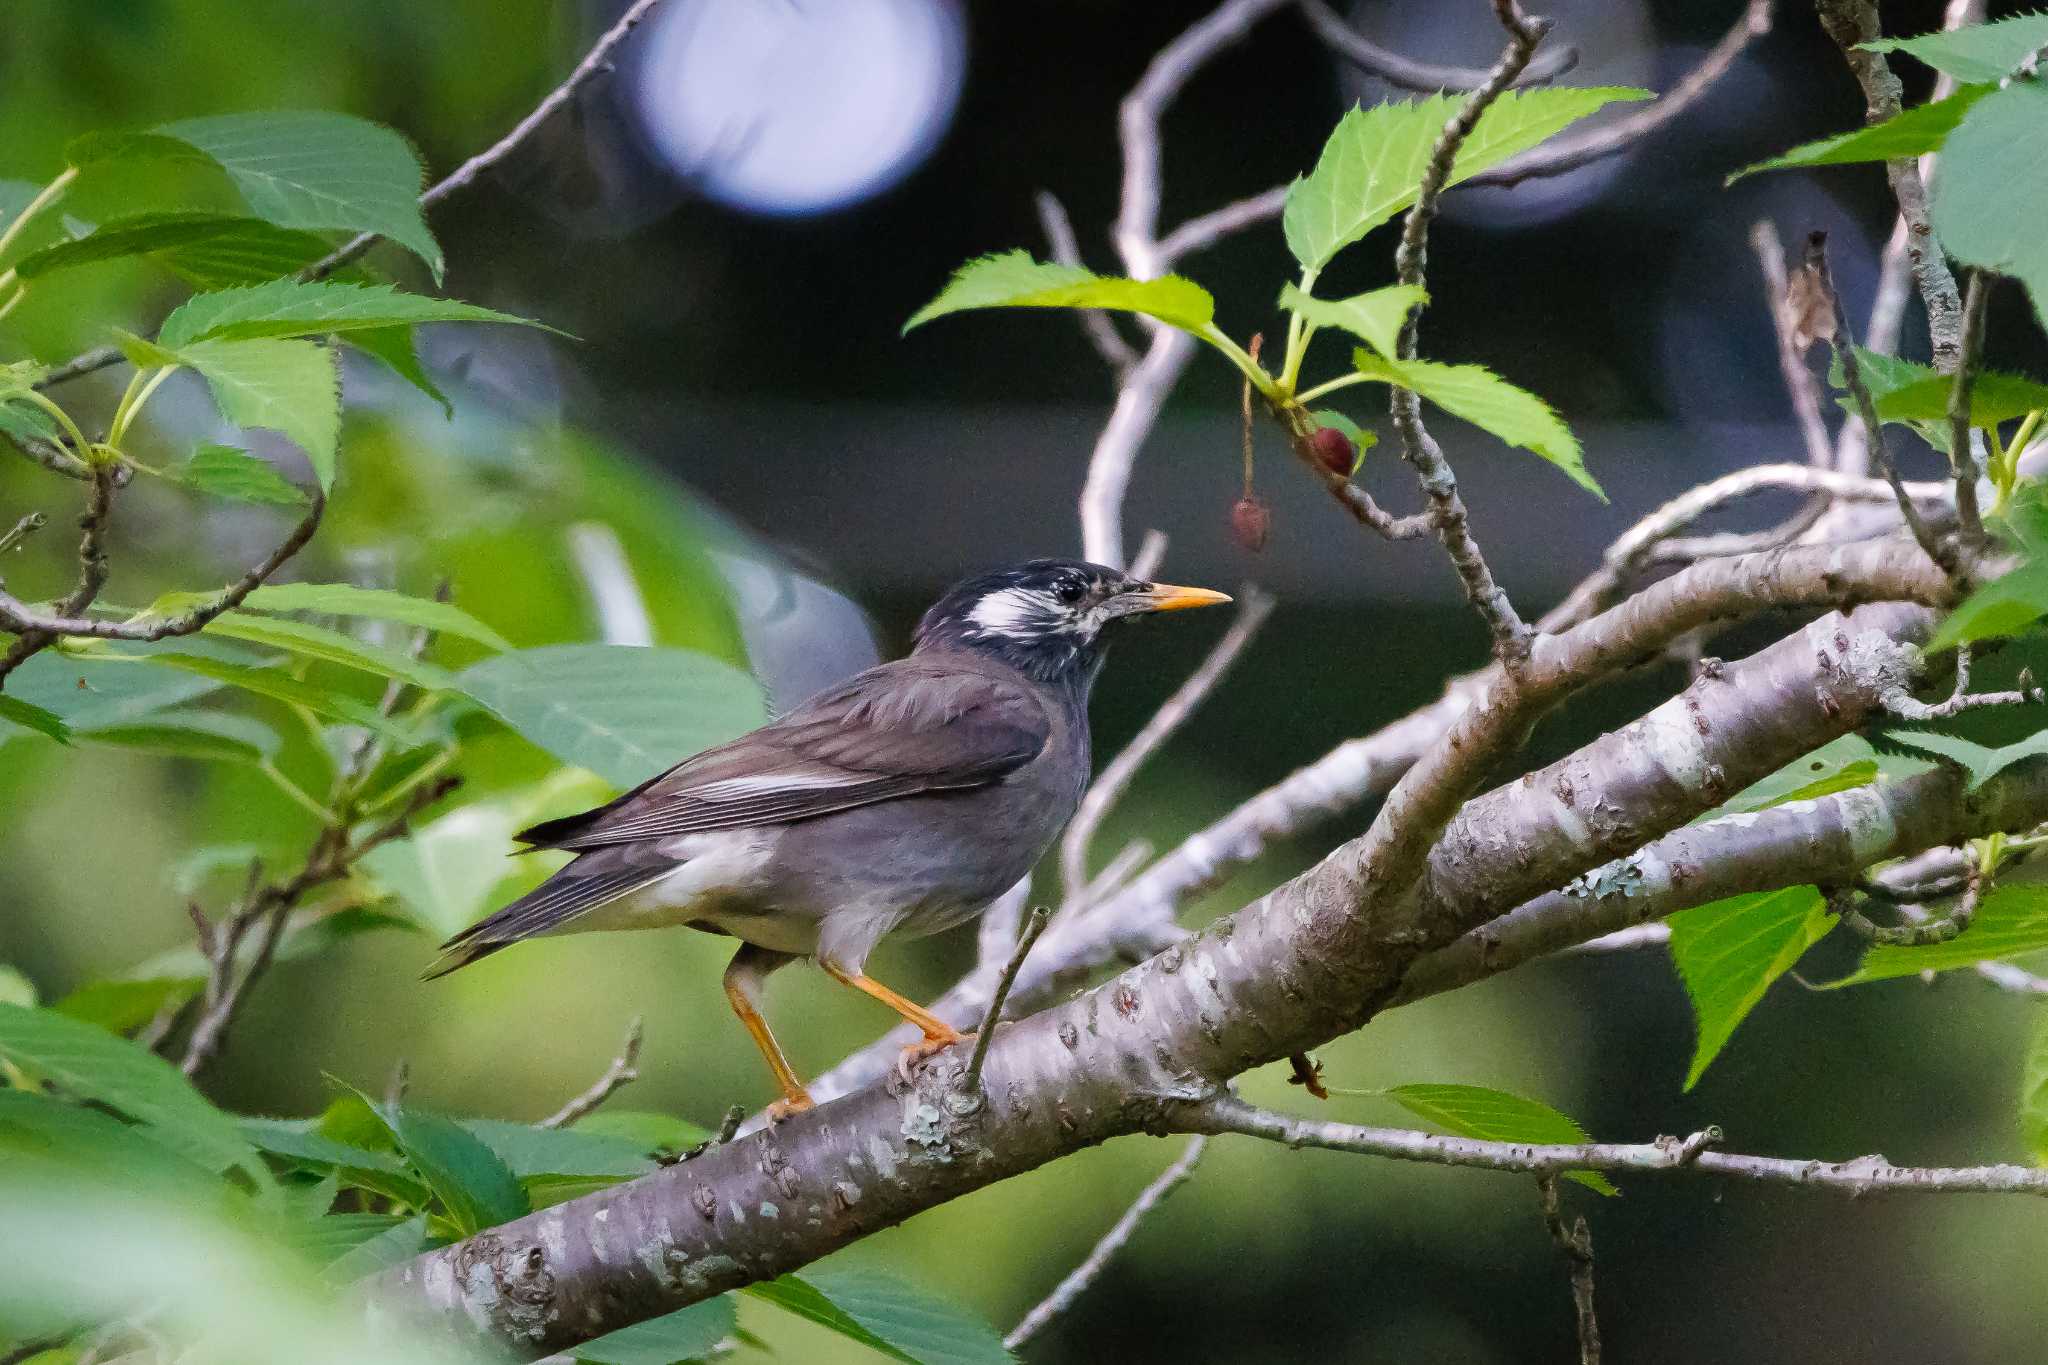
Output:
[[1406, 73], [1418, 447], [34, 635], [1034, 925], [1115, 779], [1096, 323], [1575, 1243], [1864, 1175], [16, 615], [1962, 460], [22, 530], [1564, 154], [1853, 23], [595, 63], [1083, 1275], [623, 1071], [1866, 408], [265, 908]]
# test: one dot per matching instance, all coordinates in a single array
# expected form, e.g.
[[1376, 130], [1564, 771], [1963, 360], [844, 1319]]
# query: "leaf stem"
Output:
[[1298, 333], [1342, 381], [1251, 369], [140, 388], [49, 195]]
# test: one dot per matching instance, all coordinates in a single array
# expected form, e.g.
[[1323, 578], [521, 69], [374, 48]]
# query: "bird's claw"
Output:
[[778, 1110], [923, 1049]]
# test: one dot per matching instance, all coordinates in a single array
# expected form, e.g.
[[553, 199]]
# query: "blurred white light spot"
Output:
[[797, 106]]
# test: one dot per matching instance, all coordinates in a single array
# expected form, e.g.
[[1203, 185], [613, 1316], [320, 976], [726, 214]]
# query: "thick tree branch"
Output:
[[1313, 959]]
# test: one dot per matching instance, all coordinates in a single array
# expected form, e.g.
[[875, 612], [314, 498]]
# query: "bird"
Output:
[[902, 801]]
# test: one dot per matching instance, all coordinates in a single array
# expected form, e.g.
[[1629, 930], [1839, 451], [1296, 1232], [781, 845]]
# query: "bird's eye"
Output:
[[1069, 590]]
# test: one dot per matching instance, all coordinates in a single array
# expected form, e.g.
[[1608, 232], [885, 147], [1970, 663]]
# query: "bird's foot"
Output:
[[787, 1105], [931, 1045]]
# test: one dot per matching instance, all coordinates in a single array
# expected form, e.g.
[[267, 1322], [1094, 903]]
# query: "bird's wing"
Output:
[[897, 730]]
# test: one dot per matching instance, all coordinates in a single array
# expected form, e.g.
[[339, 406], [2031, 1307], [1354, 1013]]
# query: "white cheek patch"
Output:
[[1013, 611]]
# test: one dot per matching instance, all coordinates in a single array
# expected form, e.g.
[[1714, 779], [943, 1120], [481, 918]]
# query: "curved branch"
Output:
[[1424, 78], [1565, 154]]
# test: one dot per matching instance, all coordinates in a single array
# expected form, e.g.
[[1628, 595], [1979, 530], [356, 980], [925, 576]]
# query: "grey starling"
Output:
[[902, 801]]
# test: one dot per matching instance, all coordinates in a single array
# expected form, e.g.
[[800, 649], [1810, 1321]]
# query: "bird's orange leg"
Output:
[[938, 1034], [742, 984]]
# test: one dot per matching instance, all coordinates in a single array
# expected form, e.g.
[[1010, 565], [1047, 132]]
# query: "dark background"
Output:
[[755, 362]]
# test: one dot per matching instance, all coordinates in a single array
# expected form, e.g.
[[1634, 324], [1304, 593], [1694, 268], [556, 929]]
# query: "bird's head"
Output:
[[1047, 617]]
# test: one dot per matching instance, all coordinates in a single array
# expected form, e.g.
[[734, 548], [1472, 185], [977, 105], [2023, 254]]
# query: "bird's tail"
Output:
[[556, 901]]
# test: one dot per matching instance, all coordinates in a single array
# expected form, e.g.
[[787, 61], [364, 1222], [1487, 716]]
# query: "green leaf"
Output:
[[623, 712], [1374, 317], [26, 422], [1487, 401], [1838, 765], [269, 682], [648, 1132], [323, 1239], [29, 716], [122, 1006], [90, 693], [529, 1150], [1994, 398], [2005, 606], [1915, 132], [382, 604], [1981, 52], [474, 1186], [1372, 166], [683, 1335], [302, 1143], [210, 736], [320, 171], [43, 1127], [400, 1242], [300, 308], [1474, 1111], [901, 1321], [248, 253], [138, 234], [318, 642], [2034, 1092], [393, 347], [1988, 196], [2011, 921], [230, 472], [286, 386], [1011, 279], [1728, 954], [1845, 778], [91, 1063], [1980, 762]]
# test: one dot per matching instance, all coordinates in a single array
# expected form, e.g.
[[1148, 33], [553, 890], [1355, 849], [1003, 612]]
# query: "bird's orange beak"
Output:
[[1167, 597]]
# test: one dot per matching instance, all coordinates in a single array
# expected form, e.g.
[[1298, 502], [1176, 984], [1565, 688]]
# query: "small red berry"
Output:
[[1334, 449], [1251, 521]]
